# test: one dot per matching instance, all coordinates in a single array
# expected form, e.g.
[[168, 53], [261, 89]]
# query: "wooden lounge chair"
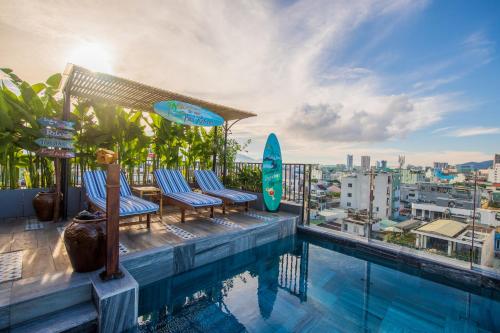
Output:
[[211, 185], [130, 205], [178, 193]]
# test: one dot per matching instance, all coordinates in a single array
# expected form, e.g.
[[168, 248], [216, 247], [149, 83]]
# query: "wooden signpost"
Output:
[[57, 144], [56, 123], [57, 133], [47, 152]]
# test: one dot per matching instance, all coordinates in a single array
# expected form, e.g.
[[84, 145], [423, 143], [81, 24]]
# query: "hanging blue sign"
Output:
[[56, 123], [272, 173], [57, 133], [55, 143], [187, 114]]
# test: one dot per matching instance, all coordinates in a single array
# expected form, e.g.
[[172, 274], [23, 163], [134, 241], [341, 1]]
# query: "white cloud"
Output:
[[474, 131], [277, 61]]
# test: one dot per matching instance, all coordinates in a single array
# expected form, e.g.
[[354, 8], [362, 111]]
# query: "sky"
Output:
[[329, 78]]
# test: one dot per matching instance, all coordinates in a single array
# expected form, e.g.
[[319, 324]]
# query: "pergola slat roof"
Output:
[[101, 87]]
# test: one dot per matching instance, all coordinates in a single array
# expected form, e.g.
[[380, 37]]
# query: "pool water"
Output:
[[301, 285]]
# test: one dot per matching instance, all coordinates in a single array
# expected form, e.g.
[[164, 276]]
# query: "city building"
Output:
[[350, 162], [446, 195], [412, 176], [381, 165], [441, 165], [494, 172], [455, 239], [355, 193], [431, 212], [365, 163]]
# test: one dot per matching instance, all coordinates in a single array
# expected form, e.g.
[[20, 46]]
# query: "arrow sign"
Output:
[[57, 133], [55, 153], [56, 143], [55, 123]]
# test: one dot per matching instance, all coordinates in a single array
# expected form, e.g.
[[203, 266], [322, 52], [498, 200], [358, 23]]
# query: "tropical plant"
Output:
[[143, 141]]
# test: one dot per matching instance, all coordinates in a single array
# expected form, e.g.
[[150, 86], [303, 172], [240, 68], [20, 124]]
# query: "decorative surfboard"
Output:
[[55, 143], [272, 174], [47, 152], [187, 114], [56, 123], [57, 133]]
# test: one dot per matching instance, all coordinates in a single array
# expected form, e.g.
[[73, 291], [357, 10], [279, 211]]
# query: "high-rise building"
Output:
[[350, 160], [381, 165], [494, 172], [355, 193], [401, 161], [440, 165], [365, 163]]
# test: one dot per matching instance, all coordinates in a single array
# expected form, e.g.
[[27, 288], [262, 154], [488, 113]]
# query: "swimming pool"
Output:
[[302, 285]]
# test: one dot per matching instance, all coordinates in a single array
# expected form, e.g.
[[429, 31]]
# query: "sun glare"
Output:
[[93, 56]]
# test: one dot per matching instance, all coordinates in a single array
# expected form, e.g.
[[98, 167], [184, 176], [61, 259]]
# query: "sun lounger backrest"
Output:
[[124, 187], [207, 180], [171, 181], [95, 184]]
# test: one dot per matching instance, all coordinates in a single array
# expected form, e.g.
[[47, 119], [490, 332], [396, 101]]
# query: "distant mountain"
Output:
[[245, 158], [477, 165]]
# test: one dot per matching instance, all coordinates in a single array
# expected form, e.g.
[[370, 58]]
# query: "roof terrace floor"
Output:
[[44, 252]]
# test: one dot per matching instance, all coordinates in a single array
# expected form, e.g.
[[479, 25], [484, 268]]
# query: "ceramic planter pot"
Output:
[[85, 242], [44, 202]]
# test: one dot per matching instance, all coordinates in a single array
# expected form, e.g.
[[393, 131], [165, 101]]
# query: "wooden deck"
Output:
[[44, 252]]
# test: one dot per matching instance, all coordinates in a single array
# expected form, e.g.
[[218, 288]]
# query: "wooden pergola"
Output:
[[93, 86]]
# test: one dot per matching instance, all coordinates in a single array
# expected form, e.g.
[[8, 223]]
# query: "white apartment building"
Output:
[[431, 212], [494, 174], [355, 193], [365, 163]]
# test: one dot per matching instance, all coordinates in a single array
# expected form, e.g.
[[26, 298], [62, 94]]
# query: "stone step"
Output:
[[36, 297], [78, 318]]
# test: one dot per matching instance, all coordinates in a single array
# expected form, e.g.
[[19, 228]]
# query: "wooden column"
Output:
[[65, 164], [112, 270], [214, 156], [57, 204]]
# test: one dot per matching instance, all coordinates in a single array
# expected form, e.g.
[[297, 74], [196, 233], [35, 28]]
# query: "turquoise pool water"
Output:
[[301, 285]]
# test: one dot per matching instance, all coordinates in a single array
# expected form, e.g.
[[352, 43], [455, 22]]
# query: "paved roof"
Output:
[[447, 228]]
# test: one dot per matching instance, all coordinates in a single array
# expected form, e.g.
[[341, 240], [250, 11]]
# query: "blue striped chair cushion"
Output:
[[207, 180], [124, 187], [95, 185], [209, 183], [129, 205], [234, 196], [93, 188], [195, 199], [171, 181]]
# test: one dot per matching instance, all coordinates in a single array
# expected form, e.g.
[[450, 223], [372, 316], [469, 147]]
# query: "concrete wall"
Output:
[[19, 203]]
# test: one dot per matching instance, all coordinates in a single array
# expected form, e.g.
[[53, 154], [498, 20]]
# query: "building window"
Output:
[[356, 229], [345, 227], [349, 184], [376, 209], [349, 195], [348, 204]]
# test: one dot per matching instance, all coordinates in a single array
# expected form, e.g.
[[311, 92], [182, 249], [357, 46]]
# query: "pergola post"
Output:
[[65, 164], [214, 156], [224, 170]]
